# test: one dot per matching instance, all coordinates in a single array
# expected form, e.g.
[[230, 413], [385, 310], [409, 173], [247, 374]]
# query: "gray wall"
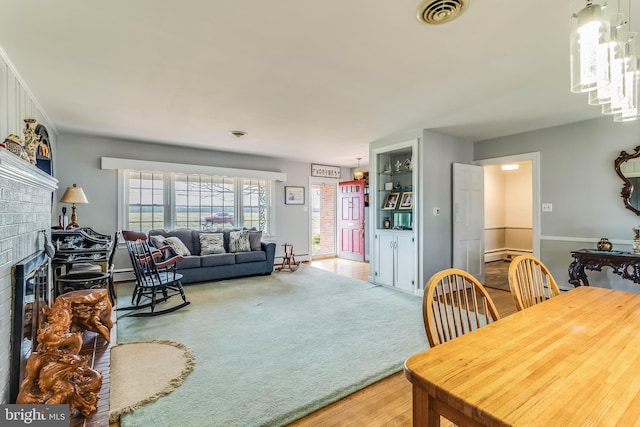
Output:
[[437, 153], [578, 178], [78, 161]]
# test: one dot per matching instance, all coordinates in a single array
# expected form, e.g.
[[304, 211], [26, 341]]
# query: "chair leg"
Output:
[[153, 300], [184, 297]]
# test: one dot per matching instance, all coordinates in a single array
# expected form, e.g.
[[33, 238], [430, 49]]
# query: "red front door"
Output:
[[351, 220]]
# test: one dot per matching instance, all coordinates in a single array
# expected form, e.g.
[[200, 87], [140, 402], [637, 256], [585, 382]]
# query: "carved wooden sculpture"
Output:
[[91, 310], [56, 373]]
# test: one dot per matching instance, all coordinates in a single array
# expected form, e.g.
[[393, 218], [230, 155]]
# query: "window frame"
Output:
[[124, 165]]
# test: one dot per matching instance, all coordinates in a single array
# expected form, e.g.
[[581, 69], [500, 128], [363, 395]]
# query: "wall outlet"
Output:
[[436, 211], [547, 207]]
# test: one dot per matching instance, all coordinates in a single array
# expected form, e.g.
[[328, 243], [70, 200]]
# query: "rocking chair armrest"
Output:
[[169, 262]]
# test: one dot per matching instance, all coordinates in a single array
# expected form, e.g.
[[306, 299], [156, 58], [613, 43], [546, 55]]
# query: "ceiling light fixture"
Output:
[[358, 173], [238, 133], [510, 167], [604, 62]]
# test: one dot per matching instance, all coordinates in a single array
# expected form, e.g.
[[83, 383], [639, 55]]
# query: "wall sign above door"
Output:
[[325, 171]]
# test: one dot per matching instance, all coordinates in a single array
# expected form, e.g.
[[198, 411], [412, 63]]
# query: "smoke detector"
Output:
[[441, 11]]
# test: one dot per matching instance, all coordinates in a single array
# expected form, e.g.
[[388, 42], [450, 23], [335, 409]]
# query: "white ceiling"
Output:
[[312, 81]]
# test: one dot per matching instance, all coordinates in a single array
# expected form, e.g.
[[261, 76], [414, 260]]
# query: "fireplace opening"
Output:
[[32, 292]]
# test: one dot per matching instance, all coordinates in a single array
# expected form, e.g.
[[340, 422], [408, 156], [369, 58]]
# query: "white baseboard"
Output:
[[506, 254]]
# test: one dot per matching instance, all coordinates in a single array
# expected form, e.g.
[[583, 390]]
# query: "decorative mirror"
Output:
[[628, 168]]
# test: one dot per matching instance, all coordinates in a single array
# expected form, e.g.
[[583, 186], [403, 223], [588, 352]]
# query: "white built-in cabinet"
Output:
[[392, 181], [395, 266]]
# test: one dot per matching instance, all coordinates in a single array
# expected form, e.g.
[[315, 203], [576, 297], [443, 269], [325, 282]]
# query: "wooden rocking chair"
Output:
[[154, 275]]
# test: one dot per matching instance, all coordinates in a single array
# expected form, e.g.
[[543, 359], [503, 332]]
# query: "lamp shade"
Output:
[[74, 195]]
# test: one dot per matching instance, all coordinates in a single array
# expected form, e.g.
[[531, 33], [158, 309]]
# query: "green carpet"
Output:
[[271, 349]]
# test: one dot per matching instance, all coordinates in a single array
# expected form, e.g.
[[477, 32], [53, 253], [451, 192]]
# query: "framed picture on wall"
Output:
[[391, 201], [293, 195]]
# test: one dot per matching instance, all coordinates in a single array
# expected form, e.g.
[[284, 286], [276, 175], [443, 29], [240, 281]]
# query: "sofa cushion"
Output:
[[211, 243], [157, 241], [239, 241], [190, 261], [217, 259], [177, 245], [252, 256], [186, 236], [254, 240]]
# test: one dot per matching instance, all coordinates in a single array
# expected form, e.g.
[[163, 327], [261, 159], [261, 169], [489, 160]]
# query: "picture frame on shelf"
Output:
[[391, 201], [293, 195], [406, 202]]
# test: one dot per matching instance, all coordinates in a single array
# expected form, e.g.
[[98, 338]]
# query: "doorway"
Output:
[[534, 158], [323, 217], [512, 220]]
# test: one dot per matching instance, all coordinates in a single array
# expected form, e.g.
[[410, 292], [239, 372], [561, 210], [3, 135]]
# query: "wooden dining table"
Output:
[[573, 360]]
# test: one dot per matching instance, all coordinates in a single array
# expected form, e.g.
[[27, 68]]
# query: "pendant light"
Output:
[[615, 52], [589, 38], [358, 174], [604, 62]]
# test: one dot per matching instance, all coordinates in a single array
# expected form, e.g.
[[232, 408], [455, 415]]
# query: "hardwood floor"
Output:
[[387, 402]]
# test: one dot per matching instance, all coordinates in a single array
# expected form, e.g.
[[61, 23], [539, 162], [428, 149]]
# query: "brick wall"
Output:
[[25, 210], [327, 219]]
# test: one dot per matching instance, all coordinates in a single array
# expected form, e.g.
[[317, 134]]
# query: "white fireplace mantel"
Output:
[[16, 169]]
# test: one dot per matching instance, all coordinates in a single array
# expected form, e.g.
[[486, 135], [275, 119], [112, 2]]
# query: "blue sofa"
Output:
[[202, 268]]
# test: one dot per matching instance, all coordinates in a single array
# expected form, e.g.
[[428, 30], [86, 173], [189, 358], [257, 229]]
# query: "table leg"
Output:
[[577, 276], [423, 412]]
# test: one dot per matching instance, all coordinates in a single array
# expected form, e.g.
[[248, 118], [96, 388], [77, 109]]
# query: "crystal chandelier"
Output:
[[604, 62]]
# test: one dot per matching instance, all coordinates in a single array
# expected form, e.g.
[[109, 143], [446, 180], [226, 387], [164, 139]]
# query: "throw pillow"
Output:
[[178, 247], [211, 243], [239, 241], [254, 240], [157, 241]]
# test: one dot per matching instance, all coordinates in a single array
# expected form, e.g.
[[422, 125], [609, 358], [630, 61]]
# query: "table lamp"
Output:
[[73, 195]]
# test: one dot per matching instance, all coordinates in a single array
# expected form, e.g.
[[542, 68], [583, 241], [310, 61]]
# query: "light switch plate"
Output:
[[547, 207]]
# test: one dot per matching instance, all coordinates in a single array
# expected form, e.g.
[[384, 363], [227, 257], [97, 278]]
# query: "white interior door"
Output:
[[468, 219]]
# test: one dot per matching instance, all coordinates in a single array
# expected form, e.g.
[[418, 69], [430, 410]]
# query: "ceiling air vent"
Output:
[[441, 11]]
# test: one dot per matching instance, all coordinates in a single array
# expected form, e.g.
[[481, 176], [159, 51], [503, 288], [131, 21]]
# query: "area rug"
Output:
[[142, 372], [272, 349]]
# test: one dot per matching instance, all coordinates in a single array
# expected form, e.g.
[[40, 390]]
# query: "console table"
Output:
[[624, 264]]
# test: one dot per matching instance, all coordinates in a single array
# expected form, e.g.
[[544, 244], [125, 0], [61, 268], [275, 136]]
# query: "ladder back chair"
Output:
[[454, 304], [530, 282], [154, 275]]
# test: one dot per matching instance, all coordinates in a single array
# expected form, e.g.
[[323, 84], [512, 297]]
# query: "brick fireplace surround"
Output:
[[25, 210]]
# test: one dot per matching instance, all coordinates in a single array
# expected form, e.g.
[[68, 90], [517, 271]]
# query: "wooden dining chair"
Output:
[[530, 282], [454, 304]]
